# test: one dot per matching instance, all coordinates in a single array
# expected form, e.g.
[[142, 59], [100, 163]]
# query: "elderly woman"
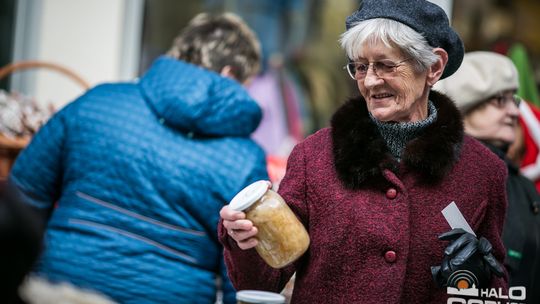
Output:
[[370, 189], [483, 89]]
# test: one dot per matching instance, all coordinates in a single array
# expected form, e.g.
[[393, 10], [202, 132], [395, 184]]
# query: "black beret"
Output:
[[425, 17]]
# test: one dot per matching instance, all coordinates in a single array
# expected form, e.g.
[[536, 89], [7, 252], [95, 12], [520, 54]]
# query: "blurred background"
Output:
[[81, 43]]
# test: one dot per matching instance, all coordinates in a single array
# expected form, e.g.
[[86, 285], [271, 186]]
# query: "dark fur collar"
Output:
[[360, 153]]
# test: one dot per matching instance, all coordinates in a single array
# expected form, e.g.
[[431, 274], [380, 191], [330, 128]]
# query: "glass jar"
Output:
[[282, 237], [259, 297]]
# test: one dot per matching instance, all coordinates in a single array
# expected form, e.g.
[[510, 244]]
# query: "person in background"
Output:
[[131, 176], [516, 149], [370, 189], [483, 89]]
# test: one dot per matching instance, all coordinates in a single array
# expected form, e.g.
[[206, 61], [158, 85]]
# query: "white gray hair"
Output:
[[393, 34]]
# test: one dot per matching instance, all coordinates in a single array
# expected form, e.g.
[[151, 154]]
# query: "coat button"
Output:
[[390, 256], [391, 193]]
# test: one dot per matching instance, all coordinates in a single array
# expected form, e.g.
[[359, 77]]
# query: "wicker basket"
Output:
[[10, 147]]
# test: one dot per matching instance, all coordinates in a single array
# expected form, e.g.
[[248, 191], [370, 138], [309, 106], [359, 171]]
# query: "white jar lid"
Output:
[[257, 296], [249, 195]]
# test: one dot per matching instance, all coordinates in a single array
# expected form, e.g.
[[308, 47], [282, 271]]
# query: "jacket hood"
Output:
[[361, 154], [193, 99]]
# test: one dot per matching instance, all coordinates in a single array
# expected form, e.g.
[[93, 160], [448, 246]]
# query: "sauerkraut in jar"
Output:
[[282, 237]]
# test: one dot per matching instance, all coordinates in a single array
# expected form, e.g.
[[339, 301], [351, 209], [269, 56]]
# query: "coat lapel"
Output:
[[361, 154]]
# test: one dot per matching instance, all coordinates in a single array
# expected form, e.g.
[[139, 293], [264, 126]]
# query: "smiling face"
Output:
[[401, 96], [492, 123]]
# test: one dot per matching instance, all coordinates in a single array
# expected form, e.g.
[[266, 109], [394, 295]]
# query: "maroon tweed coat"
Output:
[[373, 222]]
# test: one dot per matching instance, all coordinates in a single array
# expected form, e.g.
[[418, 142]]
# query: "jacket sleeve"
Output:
[[37, 172], [492, 226], [247, 269]]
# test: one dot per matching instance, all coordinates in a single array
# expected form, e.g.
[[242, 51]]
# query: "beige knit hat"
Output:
[[480, 76]]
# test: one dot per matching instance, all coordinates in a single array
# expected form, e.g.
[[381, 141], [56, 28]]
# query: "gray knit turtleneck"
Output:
[[397, 135]]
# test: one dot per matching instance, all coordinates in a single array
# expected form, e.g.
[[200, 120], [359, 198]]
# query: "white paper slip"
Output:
[[455, 219]]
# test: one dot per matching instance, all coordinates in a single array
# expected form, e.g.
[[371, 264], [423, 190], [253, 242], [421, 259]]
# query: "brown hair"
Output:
[[214, 42]]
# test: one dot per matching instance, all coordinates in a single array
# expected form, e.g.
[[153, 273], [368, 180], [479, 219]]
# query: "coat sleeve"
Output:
[[258, 172], [492, 225], [247, 269], [37, 172], [229, 294]]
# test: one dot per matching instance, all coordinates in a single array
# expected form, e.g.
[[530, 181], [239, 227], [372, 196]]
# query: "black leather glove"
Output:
[[466, 253]]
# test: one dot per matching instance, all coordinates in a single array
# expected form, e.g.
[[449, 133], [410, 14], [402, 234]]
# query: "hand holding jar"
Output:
[[239, 228], [259, 217]]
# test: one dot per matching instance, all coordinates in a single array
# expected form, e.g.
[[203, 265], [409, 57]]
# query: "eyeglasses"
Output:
[[501, 100], [383, 68]]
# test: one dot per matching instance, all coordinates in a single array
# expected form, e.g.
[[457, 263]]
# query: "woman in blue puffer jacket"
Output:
[[131, 176]]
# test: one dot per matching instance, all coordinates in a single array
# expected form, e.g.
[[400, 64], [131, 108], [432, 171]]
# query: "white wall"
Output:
[[97, 39]]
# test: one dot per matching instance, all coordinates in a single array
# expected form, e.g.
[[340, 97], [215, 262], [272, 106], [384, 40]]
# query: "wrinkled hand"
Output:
[[466, 252], [239, 228]]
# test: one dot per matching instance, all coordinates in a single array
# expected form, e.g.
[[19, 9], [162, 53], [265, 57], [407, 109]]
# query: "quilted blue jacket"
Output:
[[133, 176]]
